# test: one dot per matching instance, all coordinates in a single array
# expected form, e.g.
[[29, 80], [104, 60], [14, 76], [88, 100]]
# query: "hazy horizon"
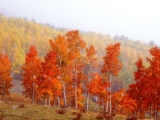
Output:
[[137, 20]]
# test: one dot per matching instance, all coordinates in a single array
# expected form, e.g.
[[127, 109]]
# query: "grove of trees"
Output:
[[71, 69], [145, 90], [66, 73]]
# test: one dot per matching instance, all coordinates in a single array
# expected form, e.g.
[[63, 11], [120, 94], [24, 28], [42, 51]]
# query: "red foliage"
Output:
[[5, 78]]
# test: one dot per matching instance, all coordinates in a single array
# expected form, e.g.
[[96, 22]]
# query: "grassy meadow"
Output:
[[18, 107], [25, 111]]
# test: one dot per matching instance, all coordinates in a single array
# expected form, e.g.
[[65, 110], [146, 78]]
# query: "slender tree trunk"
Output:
[[45, 102], [58, 101], [75, 83], [87, 103], [49, 101], [63, 83], [55, 102], [150, 107], [75, 95], [33, 93], [107, 106], [71, 100], [110, 96], [12, 74], [107, 103], [64, 93], [115, 109], [102, 106], [155, 105], [87, 106], [3, 86], [151, 111]]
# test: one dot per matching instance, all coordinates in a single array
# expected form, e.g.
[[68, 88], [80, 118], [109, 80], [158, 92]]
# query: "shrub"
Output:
[[22, 106], [132, 118], [83, 110], [79, 115], [100, 116], [61, 111], [104, 115], [74, 113], [108, 117]]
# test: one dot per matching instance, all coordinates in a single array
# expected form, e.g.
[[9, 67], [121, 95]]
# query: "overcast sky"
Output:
[[136, 19]]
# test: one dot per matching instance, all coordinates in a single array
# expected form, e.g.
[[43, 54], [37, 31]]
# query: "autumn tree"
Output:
[[31, 71], [111, 66], [5, 78], [154, 79], [75, 46], [137, 89], [146, 88], [60, 46], [90, 67], [49, 85]]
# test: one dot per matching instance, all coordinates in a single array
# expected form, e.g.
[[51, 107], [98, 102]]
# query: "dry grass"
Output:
[[25, 111], [16, 97], [12, 111], [17, 107]]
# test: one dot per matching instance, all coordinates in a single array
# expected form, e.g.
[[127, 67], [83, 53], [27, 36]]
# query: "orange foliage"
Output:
[[31, 72], [111, 63], [75, 45], [128, 105], [97, 87], [5, 79], [50, 85], [117, 97]]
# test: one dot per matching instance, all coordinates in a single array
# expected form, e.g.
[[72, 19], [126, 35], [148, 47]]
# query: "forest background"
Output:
[[18, 34]]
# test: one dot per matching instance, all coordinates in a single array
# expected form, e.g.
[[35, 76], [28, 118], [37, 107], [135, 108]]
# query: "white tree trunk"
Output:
[[58, 100], [64, 93], [49, 101], [107, 106], [75, 93], [63, 84]]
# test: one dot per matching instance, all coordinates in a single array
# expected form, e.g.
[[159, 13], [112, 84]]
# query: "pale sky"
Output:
[[136, 19]]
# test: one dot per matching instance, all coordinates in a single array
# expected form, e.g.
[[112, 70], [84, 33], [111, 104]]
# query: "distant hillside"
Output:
[[17, 35]]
